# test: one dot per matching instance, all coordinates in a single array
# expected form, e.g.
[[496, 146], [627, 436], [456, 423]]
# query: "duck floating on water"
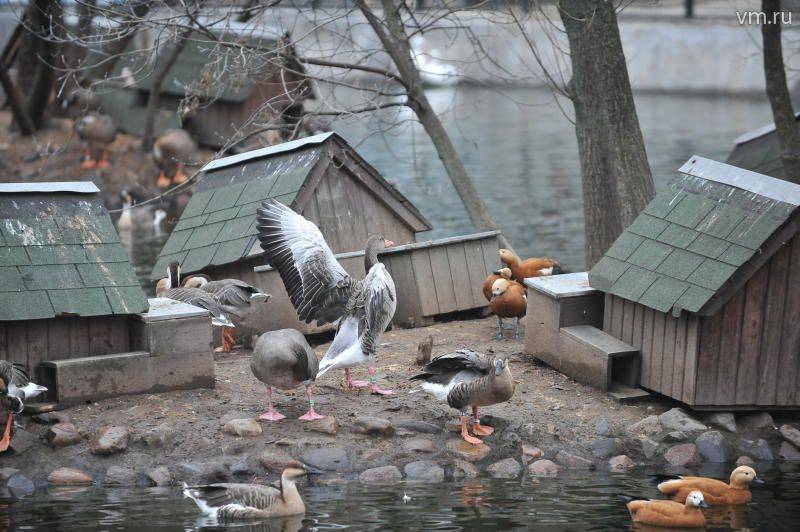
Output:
[[237, 298], [508, 301], [466, 379], [98, 131], [230, 501], [715, 492], [522, 269], [170, 288], [15, 388], [667, 514], [320, 289]]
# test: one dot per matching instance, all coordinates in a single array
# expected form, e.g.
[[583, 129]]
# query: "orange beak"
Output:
[[388, 243]]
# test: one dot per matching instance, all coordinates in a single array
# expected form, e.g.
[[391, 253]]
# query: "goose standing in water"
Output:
[[466, 378], [15, 388], [252, 501], [97, 130], [170, 288], [283, 359], [320, 289], [236, 297]]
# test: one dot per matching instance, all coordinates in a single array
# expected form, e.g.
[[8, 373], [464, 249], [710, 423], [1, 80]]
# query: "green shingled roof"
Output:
[[694, 236], [218, 225], [60, 254]]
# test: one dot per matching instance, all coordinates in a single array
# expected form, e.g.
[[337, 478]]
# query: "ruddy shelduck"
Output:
[[715, 492], [522, 269], [668, 514]]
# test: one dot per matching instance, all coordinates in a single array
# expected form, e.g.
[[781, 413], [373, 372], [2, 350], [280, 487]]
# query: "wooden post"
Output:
[[15, 101], [424, 351]]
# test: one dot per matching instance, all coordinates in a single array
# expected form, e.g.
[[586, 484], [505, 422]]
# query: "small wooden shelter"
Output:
[[705, 284], [70, 301], [758, 151]]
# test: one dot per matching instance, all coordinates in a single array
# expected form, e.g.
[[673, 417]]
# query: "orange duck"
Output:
[[668, 514], [715, 492], [508, 301], [502, 273], [521, 269]]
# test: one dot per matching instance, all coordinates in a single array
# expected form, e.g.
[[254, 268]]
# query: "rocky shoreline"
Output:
[[550, 426]]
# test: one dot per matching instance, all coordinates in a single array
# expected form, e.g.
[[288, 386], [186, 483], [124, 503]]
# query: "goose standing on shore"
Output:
[[465, 379], [15, 388], [170, 288], [284, 360], [229, 501], [171, 151], [98, 131], [237, 298], [320, 289]]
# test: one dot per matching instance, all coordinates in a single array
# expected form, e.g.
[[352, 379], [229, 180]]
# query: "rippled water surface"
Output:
[[580, 502]]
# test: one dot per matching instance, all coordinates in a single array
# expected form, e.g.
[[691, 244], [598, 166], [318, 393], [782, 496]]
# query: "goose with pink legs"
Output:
[[284, 360], [320, 289]]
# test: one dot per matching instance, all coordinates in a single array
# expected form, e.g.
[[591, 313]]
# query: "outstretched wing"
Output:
[[317, 284], [13, 373], [460, 359]]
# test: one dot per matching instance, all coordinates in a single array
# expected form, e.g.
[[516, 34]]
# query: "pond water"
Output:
[[585, 501], [522, 154]]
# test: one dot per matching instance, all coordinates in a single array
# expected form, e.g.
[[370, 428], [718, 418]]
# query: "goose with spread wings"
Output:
[[15, 388], [320, 289]]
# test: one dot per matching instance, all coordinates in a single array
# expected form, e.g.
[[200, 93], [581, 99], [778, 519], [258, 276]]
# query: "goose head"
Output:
[[375, 244], [695, 500], [196, 281], [162, 286], [742, 476], [503, 272], [296, 470], [500, 365]]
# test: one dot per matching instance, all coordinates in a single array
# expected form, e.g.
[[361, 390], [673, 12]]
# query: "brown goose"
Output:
[[252, 501], [171, 151], [284, 360], [170, 288], [466, 378], [97, 130], [320, 289], [236, 297]]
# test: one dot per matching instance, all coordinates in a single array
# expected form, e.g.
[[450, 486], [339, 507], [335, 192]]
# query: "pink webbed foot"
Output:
[[378, 391], [358, 384], [311, 415], [482, 430], [271, 415]]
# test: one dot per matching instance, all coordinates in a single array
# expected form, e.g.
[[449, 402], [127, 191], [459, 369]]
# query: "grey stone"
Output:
[[722, 420], [507, 468], [602, 428], [467, 451], [650, 447], [381, 475], [417, 425], [326, 425], [648, 426], [247, 428], [758, 449], [713, 447], [51, 418], [788, 452], [160, 476], [22, 441], [573, 461], [275, 460], [8, 472], [241, 466], [756, 422], [543, 468], [682, 455], [373, 426], [110, 440], [605, 447], [162, 435], [20, 486], [327, 458], [679, 419], [790, 434], [675, 436], [745, 460], [530, 453], [120, 476], [62, 434], [202, 472], [420, 445], [463, 469], [620, 464], [66, 476], [424, 471]]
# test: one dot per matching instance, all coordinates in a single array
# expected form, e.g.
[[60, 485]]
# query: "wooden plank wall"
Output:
[[668, 345], [34, 341], [347, 213], [749, 353]]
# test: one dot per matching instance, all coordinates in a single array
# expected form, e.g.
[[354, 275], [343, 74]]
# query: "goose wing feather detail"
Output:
[[318, 286], [198, 298]]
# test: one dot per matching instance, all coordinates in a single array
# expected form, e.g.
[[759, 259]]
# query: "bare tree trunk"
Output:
[[155, 90], [15, 102], [617, 183], [114, 49], [45, 18], [394, 39], [778, 92]]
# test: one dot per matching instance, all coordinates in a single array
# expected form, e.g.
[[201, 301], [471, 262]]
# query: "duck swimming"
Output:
[[320, 289], [715, 492], [465, 379], [668, 514]]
